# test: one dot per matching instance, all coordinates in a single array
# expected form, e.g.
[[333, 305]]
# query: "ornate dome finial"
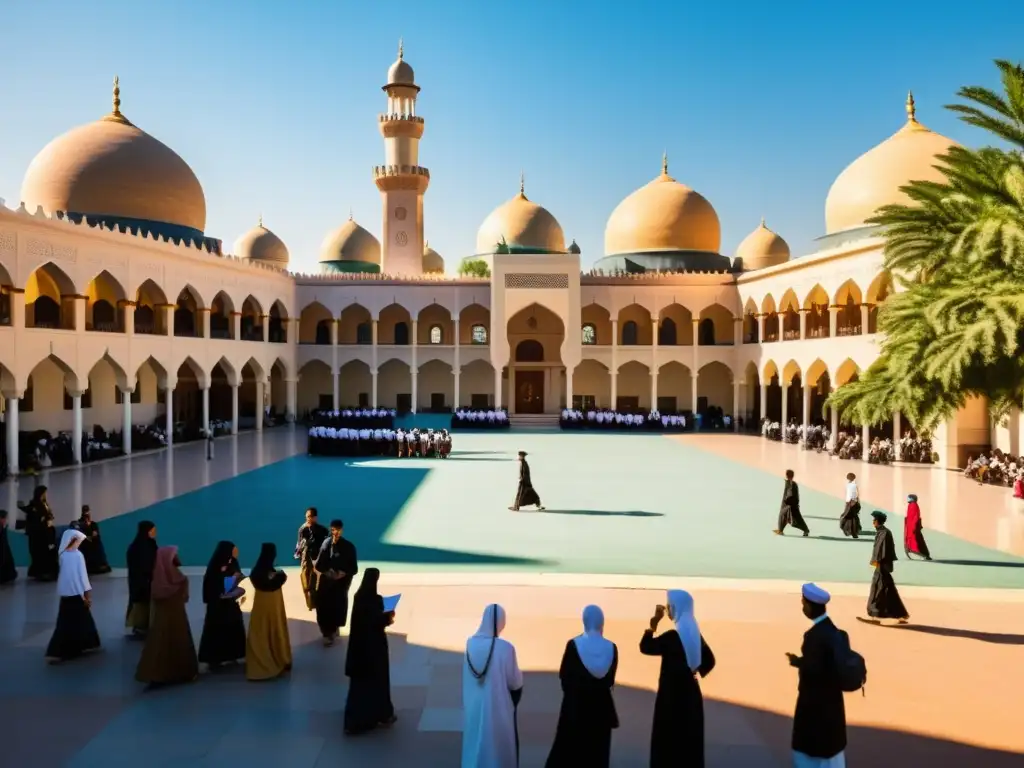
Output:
[[115, 116], [911, 108], [664, 163], [401, 48], [763, 225], [261, 222], [350, 213], [522, 184]]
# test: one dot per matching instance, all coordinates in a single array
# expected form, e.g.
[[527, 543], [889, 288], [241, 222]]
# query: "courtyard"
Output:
[[627, 516]]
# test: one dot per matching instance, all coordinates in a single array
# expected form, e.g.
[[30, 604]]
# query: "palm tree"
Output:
[[956, 330]]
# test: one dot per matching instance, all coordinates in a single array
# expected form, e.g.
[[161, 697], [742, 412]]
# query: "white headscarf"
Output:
[[73, 579], [480, 647], [595, 651], [681, 603]]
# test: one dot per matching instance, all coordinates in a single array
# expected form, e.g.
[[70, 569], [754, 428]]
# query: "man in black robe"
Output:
[[525, 495], [307, 548], [819, 723], [789, 512], [335, 566], [884, 600]]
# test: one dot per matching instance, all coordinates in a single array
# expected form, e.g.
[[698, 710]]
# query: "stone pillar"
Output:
[[292, 407], [11, 399], [865, 311], [373, 377], [693, 393], [76, 432], [737, 387], [337, 389], [373, 349], [265, 320], [334, 332], [169, 414], [696, 355], [834, 417], [760, 328], [206, 411], [234, 409], [833, 321], [785, 402], [497, 388], [415, 376], [236, 326], [806, 414], [803, 323], [414, 368], [615, 362], [865, 437], [568, 387], [897, 429], [615, 389], [457, 373], [260, 394], [128, 317], [17, 309], [457, 365], [764, 400], [737, 331], [654, 363], [126, 422], [80, 305], [168, 317], [204, 319]]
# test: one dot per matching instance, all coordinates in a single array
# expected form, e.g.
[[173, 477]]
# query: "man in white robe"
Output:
[[490, 678]]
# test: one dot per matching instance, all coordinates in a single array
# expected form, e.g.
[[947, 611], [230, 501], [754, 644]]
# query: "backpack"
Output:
[[851, 669]]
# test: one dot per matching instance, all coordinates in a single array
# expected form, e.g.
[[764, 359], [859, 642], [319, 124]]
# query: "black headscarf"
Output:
[[263, 576], [368, 586], [222, 564], [141, 560]]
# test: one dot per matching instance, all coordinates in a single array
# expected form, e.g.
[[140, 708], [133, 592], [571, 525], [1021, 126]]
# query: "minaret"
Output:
[[402, 181]]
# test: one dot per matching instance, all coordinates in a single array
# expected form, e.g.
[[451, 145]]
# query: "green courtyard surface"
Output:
[[616, 504]]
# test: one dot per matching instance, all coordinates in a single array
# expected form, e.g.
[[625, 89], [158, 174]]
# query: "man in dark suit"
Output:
[[819, 724]]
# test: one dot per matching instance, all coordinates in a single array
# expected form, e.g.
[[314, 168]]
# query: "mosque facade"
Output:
[[116, 307]]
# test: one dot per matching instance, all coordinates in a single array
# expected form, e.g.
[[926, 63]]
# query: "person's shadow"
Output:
[[996, 638]]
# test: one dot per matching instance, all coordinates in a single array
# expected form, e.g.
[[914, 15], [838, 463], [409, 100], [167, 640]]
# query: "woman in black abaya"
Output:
[[42, 537], [223, 637], [141, 561], [367, 664]]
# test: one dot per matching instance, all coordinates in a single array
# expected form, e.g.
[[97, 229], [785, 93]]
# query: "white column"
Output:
[[568, 386], [803, 323], [696, 354], [833, 321], [337, 390], [204, 319], [457, 373], [260, 389], [206, 411], [865, 310], [11, 402], [169, 415], [897, 429], [615, 352], [76, 433], [126, 427], [693, 393], [737, 331], [373, 376], [764, 400], [865, 437], [415, 389], [497, 388], [373, 349], [414, 369], [760, 328], [806, 415], [654, 363], [292, 387], [234, 409], [265, 320], [785, 403], [615, 389], [457, 365], [236, 326], [736, 389], [834, 416]]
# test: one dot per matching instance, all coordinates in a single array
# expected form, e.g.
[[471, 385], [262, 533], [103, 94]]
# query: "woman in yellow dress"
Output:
[[268, 649]]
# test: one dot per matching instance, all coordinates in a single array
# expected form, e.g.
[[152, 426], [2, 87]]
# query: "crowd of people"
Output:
[[849, 445], [607, 419], [344, 441], [354, 418], [473, 418], [997, 468]]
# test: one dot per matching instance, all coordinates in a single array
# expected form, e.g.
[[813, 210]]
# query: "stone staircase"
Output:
[[534, 420]]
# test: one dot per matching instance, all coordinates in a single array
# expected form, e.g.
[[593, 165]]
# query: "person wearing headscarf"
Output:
[[42, 537], [169, 655], [8, 573], [526, 496], [335, 566], [492, 685], [268, 649], [587, 716], [75, 632], [884, 600], [92, 548], [141, 560], [913, 531], [789, 512], [367, 664], [677, 736], [223, 638]]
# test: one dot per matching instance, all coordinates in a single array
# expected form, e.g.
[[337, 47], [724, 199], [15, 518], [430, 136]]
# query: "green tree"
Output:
[[474, 268], [956, 329]]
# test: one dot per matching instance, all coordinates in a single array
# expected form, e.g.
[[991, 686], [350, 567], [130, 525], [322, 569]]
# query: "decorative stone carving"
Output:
[[51, 252], [8, 245]]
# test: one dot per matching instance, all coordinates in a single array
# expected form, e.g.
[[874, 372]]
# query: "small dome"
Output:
[[260, 244], [350, 242], [432, 261], [573, 248], [762, 248], [112, 170], [400, 73], [663, 215], [523, 226], [874, 179]]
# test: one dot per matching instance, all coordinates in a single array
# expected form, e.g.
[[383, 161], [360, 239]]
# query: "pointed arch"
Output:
[[845, 372], [149, 316], [49, 298], [355, 326], [394, 324], [595, 325], [635, 326], [189, 367]]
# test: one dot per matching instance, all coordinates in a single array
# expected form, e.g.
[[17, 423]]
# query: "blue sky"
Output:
[[759, 105]]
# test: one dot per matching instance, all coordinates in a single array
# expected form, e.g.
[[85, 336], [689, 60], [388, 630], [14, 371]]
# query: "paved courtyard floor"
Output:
[[628, 517]]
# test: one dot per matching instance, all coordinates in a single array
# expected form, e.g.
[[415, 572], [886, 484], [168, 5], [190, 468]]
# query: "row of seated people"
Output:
[[39, 450], [473, 418], [608, 419], [354, 418], [997, 468], [425, 443]]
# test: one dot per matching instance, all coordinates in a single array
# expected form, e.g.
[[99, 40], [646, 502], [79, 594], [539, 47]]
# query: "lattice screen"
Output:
[[536, 281]]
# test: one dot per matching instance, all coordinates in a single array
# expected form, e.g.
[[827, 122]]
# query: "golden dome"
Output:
[[111, 168], [261, 244], [400, 73], [523, 225], [874, 179], [432, 261], [762, 248], [350, 242], [663, 215]]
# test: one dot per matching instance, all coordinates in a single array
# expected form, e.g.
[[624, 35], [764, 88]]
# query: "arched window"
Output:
[[47, 313], [184, 321], [667, 332], [479, 334], [436, 334], [706, 332], [323, 332], [402, 334], [364, 333], [103, 316], [629, 333], [145, 319], [529, 351], [589, 334]]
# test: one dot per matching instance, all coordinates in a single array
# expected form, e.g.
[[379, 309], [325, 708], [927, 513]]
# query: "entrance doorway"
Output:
[[529, 391]]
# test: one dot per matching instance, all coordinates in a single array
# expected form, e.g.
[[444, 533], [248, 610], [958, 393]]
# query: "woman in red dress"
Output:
[[913, 531]]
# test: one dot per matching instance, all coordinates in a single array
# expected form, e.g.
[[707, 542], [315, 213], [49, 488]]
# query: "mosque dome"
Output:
[[523, 226], [113, 171], [432, 261], [573, 248], [400, 73], [260, 244], [762, 248], [874, 179], [663, 215], [350, 248]]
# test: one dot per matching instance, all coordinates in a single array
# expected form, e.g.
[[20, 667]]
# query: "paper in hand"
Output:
[[390, 603]]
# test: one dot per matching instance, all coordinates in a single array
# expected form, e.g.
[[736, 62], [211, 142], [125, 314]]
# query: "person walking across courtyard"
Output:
[[884, 600], [526, 496], [336, 565], [789, 513]]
